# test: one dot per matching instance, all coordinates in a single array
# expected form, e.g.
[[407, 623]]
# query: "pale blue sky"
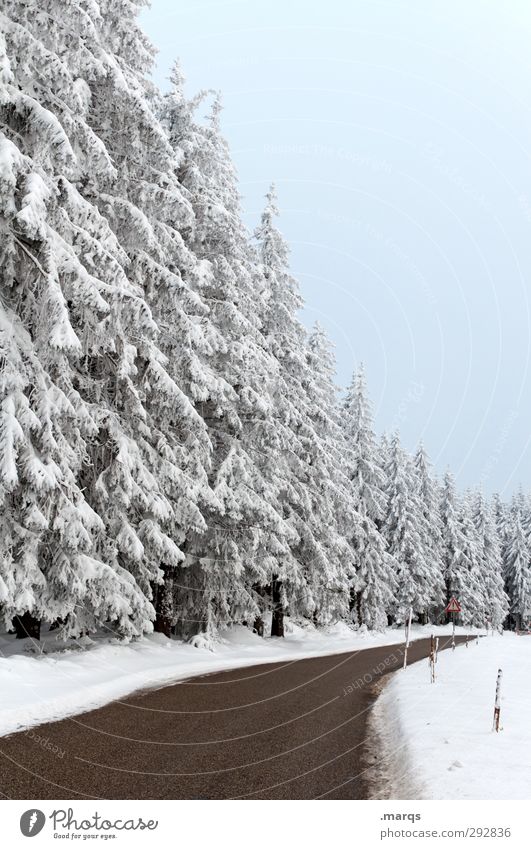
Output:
[[399, 137]]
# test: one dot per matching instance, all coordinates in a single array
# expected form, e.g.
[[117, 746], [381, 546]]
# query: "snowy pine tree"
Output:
[[430, 526], [228, 569], [63, 287], [452, 542], [491, 568], [517, 570], [295, 430], [172, 449], [334, 516], [375, 567], [468, 577], [403, 530]]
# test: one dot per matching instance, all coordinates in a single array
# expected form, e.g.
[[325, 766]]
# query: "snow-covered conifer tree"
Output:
[[500, 513], [451, 535], [227, 569], [155, 494], [334, 517], [517, 568], [295, 428], [64, 295], [171, 444], [403, 530], [430, 524], [491, 567], [375, 567], [467, 577]]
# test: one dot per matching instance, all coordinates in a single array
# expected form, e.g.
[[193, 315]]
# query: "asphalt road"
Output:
[[279, 731]]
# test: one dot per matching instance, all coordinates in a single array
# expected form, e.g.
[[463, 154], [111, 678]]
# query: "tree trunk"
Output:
[[449, 594], [258, 626], [354, 606], [358, 607], [277, 622], [27, 626], [163, 606], [162, 625]]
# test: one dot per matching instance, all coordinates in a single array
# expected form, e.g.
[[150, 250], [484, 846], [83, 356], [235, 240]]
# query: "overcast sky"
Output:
[[399, 137]]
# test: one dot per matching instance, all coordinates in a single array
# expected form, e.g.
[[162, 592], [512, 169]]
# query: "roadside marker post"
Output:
[[408, 636], [497, 703], [432, 659]]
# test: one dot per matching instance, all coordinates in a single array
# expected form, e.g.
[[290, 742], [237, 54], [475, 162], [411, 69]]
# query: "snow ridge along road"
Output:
[[286, 730], [448, 749]]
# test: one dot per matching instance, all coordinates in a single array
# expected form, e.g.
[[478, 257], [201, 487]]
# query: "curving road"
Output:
[[278, 731]]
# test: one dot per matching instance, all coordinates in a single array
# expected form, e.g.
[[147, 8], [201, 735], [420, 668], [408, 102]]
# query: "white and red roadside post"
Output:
[[497, 703], [408, 635], [433, 656]]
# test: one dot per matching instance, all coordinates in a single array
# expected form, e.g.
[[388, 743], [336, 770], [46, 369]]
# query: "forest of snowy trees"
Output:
[[174, 453]]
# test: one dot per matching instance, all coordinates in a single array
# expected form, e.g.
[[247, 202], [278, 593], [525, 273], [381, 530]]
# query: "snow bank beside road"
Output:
[[443, 746], [39, 688]]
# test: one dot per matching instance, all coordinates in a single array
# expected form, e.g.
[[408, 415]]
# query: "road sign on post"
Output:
[[453, 606]]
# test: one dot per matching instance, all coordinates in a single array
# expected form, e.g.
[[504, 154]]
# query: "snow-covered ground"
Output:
[[437, 738], [49, 681]]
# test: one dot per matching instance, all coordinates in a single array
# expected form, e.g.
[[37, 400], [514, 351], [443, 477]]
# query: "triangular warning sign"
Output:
[[454, 606]]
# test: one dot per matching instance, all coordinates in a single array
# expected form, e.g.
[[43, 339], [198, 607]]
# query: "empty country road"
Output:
[[278, 731]]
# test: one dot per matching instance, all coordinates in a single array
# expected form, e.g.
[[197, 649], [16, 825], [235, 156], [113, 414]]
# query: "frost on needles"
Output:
[[174, 453]]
